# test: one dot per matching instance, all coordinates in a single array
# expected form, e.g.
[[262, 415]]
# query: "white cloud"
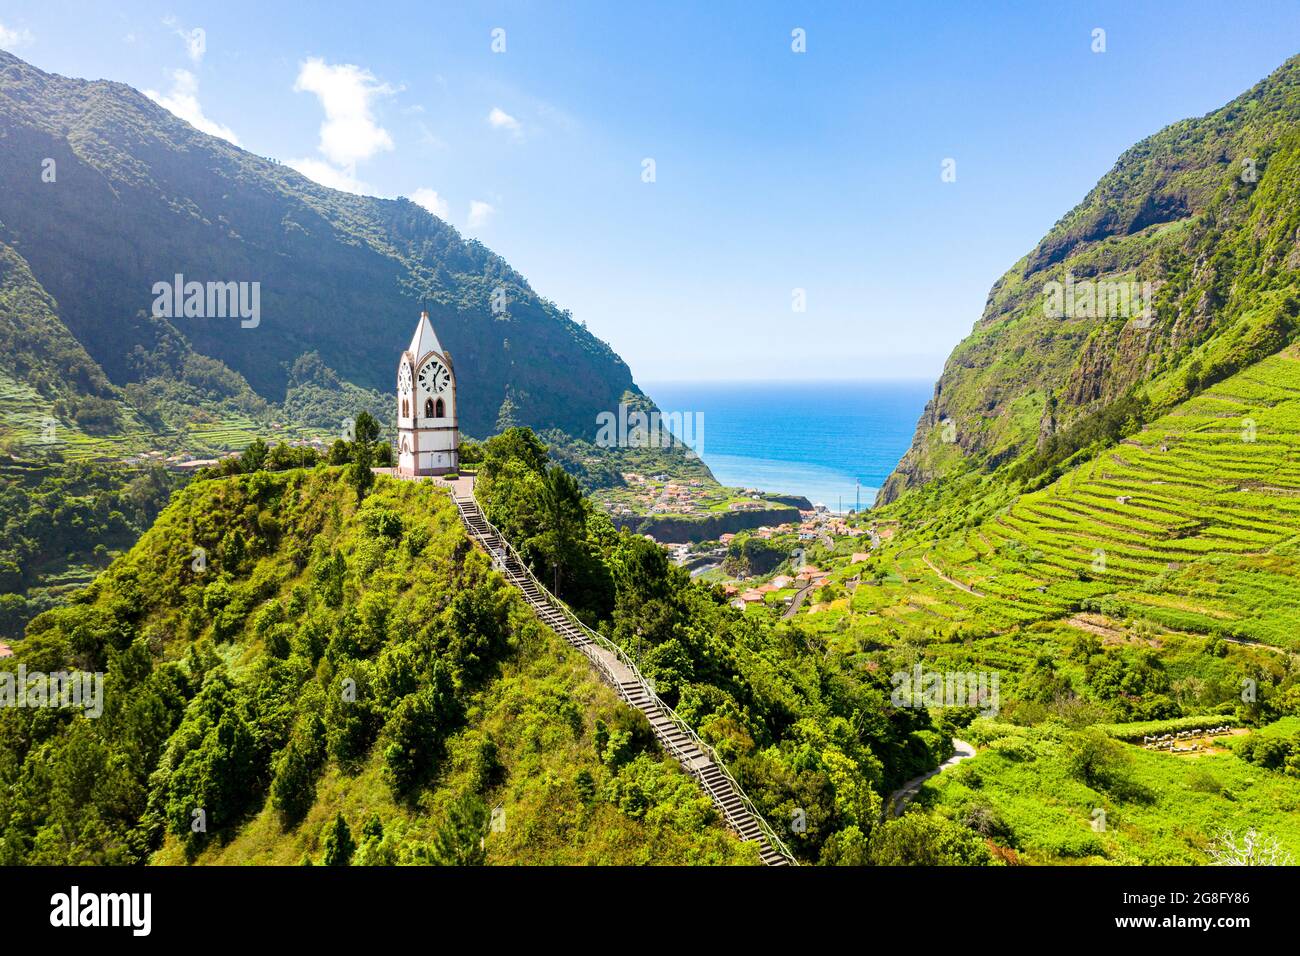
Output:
[[196, 39], [196, 43], [15, 39], [322, 172], [479, 213], [183, 100], [349, 133], [500, 119], [431, 201]]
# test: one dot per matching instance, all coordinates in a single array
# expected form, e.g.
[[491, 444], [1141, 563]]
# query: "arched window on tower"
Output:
[[428, 408], [439, 410], [406, 409]]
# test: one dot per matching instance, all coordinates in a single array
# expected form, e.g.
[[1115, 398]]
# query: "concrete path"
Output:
[[900, 798]]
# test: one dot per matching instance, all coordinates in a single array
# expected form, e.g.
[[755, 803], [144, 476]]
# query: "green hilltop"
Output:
[[283, 647], [329, 657]]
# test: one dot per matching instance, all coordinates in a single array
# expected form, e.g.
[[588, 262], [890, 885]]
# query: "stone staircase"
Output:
[[673, 734]]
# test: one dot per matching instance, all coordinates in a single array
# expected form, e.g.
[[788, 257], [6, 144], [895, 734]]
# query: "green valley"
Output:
[[353, 605]]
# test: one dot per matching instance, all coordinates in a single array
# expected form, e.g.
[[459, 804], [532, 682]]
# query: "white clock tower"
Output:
[[428, 439]]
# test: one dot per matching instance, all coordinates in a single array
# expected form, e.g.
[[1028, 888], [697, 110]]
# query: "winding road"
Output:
[[797, 602]]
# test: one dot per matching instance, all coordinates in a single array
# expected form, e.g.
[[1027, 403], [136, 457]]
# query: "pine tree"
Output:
[[339, 845], [460, 839]]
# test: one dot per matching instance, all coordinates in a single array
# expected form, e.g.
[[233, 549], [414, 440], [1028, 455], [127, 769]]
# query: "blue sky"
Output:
[[774, 170]]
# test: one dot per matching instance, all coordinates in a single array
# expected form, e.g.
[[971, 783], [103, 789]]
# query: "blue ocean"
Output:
[[833, 442]]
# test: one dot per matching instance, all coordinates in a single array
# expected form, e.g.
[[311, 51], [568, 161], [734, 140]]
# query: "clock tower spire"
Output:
[[428, 439]]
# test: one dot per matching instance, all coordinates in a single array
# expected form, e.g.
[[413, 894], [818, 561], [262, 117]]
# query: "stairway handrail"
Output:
[[597, 638]]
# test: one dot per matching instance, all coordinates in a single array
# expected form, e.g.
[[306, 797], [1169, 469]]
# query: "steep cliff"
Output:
[[1174, 271]]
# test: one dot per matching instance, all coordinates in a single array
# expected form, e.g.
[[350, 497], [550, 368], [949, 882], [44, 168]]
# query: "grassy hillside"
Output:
[[1191, 524], [324, 657], [1154, 581], [1049, 795], [811, 736]]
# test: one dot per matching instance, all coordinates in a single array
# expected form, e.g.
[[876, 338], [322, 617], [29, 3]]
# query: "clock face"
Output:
[[404, 380], [434, 377]]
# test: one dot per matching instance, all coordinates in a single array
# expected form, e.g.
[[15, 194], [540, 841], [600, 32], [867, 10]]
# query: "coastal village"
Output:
[[665, 495], [783, 587]]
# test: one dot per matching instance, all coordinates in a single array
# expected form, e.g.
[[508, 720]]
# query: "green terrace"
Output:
[[1191, 524], [24, 433]]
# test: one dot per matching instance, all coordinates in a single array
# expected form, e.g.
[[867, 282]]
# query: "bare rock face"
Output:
[[1046, 425]]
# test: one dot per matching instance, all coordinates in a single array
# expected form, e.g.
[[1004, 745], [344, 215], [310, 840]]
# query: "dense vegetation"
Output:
[[59, 526], [1055, 794], [1149, 588], [301, 667], [812, 738]]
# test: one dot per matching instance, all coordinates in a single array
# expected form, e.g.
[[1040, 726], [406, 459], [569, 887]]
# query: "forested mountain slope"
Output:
[[140, 196], [1203, 218]]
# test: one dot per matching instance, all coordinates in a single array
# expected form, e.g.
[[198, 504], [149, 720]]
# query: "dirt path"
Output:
[[953, 581]]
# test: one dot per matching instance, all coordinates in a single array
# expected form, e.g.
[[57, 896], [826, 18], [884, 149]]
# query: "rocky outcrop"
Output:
[[679, 528]]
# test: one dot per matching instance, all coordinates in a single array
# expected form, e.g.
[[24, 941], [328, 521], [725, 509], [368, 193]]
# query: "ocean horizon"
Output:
[[833, 442]]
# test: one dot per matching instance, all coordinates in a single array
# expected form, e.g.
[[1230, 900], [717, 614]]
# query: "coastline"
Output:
[[832, 442], [820, 484]]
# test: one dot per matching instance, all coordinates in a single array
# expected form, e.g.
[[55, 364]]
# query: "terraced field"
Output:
[[1193, 524], [25, 431]]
